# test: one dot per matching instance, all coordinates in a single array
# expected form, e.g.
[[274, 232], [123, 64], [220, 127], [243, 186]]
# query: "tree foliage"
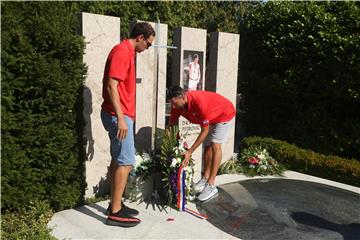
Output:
[[42, 71], [300, 74]]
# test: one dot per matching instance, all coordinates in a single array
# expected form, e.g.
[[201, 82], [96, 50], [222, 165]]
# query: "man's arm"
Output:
[[115, 100], [200, 139]]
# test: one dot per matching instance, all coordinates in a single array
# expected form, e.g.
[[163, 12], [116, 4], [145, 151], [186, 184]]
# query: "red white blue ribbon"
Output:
[[181, 200], [181, 187]]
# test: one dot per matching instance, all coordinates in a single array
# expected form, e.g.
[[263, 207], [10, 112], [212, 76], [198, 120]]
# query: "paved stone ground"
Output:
[[264, 209]]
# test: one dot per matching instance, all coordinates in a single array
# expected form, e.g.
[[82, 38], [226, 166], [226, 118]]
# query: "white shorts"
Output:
[[192, 85], [218, 133]]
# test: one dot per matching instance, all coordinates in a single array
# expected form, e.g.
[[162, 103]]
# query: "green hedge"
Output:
[[42, 72], [28, 223], [306, 161], [300, 74]]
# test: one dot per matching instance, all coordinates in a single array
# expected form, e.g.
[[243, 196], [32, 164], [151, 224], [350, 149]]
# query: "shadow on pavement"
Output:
[[348, 231], [85, 210]]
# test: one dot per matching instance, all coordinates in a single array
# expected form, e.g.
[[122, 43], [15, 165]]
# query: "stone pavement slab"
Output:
[[88, 222]]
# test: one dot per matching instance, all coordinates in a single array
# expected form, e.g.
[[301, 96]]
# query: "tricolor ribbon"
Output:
[[181, 200], [181, 187]]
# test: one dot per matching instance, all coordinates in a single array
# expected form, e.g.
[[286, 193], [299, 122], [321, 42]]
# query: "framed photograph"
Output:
[[193, 70]]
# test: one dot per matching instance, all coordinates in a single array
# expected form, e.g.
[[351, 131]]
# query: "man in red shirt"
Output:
[[215, 114], [118, 114]]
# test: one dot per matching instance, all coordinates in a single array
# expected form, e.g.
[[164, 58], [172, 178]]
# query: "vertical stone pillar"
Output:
[[151, 67], [223, 74], [101, 34], [189, 42]]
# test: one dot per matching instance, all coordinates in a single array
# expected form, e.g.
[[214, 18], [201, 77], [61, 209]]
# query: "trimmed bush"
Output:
[[28, 223], [306, 161], [42, 73], [300, 74]]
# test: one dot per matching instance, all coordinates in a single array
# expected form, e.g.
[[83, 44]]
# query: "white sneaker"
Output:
[[200, 185], [208, 192]]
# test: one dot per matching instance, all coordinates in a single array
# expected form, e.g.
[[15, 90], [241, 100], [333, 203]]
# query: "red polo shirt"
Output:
[[205, 108], [120, 65]]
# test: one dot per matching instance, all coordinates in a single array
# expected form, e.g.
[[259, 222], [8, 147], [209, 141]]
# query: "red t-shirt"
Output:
[[120, 65], [205, 108]]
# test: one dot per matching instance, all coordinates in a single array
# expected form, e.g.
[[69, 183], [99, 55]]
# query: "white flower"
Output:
[[187, 169], [173, 162], [138, 158], [181, 148], [261, 156], [251, 166], [146, 157], [176, 151], [182, 144], [178, 160], [191, 197]]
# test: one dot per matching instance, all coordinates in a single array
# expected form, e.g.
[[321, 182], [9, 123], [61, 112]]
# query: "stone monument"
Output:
[[101, 33], [150, 89], [223, 75], [191, 44]]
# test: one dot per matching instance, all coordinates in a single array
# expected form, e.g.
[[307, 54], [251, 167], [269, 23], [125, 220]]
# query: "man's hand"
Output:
[[187, 157], [122, 129]]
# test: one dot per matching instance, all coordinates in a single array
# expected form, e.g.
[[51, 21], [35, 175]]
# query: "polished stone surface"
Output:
[[147, 70], [284, 209], [101, 33], [189, 39], [223, 76]]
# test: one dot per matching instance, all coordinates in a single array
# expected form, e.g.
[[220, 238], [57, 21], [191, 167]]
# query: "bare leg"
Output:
[[216, 159], [207, 161], [120, 177]]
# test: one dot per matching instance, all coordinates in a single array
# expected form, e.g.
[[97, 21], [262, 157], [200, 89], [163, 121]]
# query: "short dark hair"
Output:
[[143, 28], [174, 91]]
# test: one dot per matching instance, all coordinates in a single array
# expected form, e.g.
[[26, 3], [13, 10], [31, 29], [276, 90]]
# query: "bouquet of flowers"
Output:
[[137, 181], [257, 161], [170, 159], [144, 165]]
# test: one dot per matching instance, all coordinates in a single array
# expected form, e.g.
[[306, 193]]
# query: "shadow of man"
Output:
[[348, 231], [88, 139], [143, 139]]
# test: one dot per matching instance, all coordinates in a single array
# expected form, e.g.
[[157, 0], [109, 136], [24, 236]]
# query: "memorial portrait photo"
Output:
[[192, 75]]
